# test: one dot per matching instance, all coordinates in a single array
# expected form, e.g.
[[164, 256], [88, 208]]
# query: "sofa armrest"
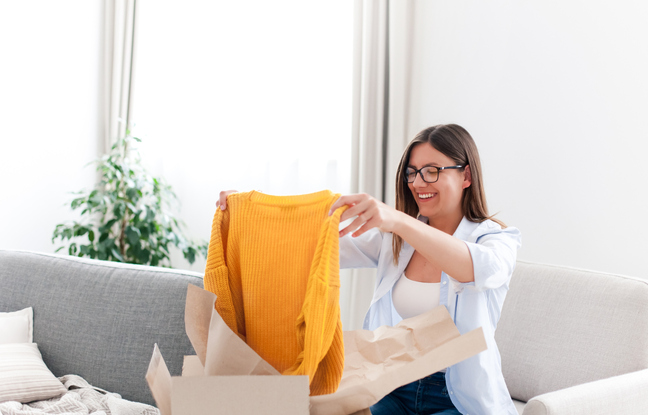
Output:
[[626, 394]]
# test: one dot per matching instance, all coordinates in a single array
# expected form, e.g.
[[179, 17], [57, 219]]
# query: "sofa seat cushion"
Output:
[[519, 405]]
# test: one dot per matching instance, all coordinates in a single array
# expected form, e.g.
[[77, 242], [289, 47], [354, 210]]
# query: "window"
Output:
[[251, 95]]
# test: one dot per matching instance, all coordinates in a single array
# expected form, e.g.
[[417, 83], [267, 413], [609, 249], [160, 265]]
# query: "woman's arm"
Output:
[[445, 251], [442, 250]]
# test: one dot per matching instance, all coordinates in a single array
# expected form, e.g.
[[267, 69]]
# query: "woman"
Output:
[[438, 246]]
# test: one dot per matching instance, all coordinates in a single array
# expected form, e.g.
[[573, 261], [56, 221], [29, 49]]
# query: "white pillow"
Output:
[[24, 377], [17, 326]]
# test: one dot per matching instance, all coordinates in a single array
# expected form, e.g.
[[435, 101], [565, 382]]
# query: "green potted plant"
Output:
[[127, 216]]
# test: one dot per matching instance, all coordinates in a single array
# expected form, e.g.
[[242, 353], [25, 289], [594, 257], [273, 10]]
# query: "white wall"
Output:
[[556, 96], [50, 103]]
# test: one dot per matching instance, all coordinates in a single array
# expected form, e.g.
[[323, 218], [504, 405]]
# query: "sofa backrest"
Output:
[[562, 326], [99, 319]]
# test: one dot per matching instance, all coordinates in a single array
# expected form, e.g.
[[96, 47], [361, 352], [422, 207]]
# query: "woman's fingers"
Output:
[[222, 200], [373, 223], [359, 208], [366, 212], [348, 200], [356, 224]]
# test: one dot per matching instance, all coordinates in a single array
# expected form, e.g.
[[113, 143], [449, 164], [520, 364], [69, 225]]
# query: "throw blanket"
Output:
[[80, 399]]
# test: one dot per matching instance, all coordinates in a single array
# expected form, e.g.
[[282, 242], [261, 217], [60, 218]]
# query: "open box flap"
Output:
[[159, 381]]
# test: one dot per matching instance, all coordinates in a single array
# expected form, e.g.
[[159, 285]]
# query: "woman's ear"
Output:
[[467, 178]]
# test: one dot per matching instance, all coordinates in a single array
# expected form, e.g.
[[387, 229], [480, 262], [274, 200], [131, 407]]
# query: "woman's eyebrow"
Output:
[[433, 164]]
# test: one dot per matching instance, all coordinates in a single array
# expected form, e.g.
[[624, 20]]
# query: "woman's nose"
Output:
[[418, 180]]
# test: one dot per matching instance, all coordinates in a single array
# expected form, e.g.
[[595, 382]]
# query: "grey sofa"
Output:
[[99, 319], [575, 342], [572, 342]]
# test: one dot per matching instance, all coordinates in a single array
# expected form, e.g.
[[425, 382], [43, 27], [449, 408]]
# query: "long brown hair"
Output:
[[456, 143]]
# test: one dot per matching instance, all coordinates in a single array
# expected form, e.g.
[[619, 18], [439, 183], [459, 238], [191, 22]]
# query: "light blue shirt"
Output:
[[476, 385]]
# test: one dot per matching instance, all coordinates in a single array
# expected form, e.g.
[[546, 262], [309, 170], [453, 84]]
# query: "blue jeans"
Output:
[[426, 396]]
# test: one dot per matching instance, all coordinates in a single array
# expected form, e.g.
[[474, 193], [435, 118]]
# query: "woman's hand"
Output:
[[370, 213], [222, 200]]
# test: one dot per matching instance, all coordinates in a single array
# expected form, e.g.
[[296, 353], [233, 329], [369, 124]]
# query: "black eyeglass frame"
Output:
[[420, 172]]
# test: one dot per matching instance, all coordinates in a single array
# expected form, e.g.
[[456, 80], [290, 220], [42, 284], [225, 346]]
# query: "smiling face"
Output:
[[439, 201]]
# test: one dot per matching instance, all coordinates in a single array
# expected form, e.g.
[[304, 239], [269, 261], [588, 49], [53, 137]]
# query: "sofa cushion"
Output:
[[23, 375], [17, 326], [561, 327], [99, 319]]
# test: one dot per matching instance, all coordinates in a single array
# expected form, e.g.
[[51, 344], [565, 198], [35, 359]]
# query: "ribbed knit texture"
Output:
[[273, 263]]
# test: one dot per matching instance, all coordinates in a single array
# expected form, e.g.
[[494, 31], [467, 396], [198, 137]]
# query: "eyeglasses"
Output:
[[429, 174]]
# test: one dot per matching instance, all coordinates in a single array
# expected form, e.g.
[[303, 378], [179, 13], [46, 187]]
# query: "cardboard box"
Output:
[[196, 394], [227, 376]]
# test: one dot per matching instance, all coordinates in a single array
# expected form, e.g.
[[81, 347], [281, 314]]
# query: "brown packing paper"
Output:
[[379, 361], [198, 311], [225, 352], [366, 379]]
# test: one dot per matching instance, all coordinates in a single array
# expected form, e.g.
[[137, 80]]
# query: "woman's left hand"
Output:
[[370, 213]]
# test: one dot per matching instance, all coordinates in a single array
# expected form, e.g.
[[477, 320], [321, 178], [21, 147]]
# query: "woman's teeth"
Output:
[[425, 195]]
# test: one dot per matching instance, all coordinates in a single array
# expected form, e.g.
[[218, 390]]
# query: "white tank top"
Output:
[[412, 298]]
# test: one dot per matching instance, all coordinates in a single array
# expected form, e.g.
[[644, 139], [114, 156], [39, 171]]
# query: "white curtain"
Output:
[[119, 32], [383, 36]]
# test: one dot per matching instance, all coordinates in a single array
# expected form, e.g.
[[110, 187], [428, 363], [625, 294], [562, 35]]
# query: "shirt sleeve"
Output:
[[494, 256], [361, 252]]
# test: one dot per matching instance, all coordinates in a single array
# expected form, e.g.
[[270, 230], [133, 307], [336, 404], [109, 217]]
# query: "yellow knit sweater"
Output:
[[273, 263]]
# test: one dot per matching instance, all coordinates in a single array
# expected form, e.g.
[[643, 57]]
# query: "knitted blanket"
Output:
[[80, 399]]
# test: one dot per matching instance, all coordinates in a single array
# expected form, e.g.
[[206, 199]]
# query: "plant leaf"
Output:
[[144, 256], [119, 210], [105, 228], [133, 234], [116, 254]]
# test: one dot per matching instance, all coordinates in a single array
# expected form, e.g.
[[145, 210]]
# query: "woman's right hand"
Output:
[[222, 200], [368, 213]]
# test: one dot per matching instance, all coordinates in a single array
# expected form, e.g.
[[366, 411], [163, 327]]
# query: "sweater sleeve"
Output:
[[318, 325], [217, 276]]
